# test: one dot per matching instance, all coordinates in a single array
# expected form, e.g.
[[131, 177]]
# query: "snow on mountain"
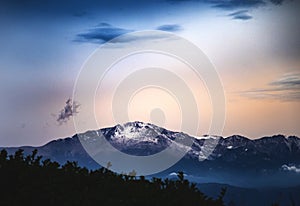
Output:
[[136, 132]]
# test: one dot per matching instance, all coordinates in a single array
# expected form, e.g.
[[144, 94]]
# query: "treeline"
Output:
[[29, 180]]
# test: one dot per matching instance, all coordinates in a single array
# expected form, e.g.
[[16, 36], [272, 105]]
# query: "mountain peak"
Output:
[[237, 138], [135, 130], [135, 124]]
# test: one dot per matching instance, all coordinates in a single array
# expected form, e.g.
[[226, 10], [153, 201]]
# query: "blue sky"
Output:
[[253, 44]]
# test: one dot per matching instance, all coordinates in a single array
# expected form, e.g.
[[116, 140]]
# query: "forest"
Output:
[[32, 180]]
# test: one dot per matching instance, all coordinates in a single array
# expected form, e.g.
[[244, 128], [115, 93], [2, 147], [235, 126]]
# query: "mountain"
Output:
[[235, 160]]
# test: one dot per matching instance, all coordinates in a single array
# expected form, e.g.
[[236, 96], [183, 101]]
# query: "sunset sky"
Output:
[[254, 46]]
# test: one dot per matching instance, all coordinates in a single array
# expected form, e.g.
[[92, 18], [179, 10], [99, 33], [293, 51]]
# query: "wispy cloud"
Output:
[[70, 109], [285, 88], [170, 27], [292, 168], [240, 15], [288, 81]]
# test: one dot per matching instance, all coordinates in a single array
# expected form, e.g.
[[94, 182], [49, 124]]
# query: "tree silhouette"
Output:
[[29, 180]]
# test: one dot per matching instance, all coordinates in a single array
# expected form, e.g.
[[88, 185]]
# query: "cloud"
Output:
[[277, 2], [240, 15], [105, 32], [170, 27], [233, 4], [101, 33], [70, 109], [288, 81], [292, 168], [285, 88], [237, 4]]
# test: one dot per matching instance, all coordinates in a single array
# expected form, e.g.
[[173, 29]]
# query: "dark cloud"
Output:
[[240, 15], [105, 32], [286, 88], [233, 4], [70, 109], [102, 33], [170, 27], [237, 4], [277, 2]]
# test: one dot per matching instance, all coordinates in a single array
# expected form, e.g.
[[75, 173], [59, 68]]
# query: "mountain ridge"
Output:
[[235, 160]]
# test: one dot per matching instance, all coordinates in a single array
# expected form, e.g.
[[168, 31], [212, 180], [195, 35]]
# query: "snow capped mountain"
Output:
[[213, 157], [135, 133], [137, 138]]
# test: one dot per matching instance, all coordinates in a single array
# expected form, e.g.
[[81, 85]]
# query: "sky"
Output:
[[254, 46]]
